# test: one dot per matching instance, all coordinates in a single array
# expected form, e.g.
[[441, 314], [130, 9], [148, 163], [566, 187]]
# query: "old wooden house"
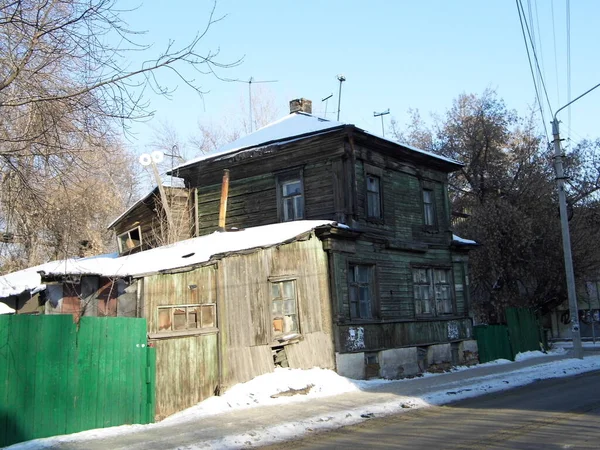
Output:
[[398, 277]]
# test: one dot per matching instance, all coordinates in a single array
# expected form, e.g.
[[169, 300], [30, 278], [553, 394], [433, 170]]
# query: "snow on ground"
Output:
[[264, 390]]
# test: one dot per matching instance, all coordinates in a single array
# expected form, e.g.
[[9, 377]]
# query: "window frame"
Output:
[[431, 191], [434, 298], [282, 178], [375, 172], [128, 234], [187, 330], [273, 314], [352, 267]]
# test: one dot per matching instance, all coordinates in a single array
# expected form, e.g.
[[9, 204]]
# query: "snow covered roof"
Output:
[[5, 309], [29, 280], [176, 182], [287, 129], [186, 253], [461, 241]]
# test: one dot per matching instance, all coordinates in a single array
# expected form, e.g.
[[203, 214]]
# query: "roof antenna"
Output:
[[326, 100], [250, 81], [341, 79], [381, 114]]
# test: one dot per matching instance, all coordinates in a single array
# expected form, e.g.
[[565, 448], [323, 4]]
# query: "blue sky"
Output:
[[394, 54]]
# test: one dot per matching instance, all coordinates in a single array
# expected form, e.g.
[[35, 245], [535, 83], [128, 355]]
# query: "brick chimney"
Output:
[[301, 105]]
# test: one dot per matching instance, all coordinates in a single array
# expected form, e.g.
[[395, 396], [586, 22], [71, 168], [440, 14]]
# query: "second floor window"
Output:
[[428, 207], [373, 197], [130, 240], [292, 200]]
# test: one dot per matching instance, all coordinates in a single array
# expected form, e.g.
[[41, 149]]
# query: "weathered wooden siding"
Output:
[[246, 308], [186, 372], [187, 367], [394, 294], [403, 334], [149, 216]]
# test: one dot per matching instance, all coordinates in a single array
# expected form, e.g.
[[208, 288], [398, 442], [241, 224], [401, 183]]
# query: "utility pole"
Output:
[[381, 114], [341, 79], [566, 237]]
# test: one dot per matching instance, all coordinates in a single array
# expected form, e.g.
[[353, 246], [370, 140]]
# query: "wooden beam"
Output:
[[224, 194]]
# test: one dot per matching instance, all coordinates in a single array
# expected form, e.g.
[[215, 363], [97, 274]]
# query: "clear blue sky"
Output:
[[394, 54]]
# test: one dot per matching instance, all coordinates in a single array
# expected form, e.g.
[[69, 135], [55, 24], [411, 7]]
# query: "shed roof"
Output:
[[294, 126], [186, 253]]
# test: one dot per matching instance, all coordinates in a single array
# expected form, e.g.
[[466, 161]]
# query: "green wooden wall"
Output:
[[58, 378]]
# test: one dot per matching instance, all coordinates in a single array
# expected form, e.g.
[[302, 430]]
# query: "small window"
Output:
[[360, 291], [432, 292], [428, 207], [284, 310], [290, 196], [130, 240], [374, 197], [186, 317]]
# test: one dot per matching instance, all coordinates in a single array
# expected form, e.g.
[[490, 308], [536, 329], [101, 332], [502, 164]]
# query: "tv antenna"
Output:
[[326, 100], [341, 79], [381, 114], [250, 81]]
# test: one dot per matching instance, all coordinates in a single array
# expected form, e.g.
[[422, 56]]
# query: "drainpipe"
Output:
[[224, 194]]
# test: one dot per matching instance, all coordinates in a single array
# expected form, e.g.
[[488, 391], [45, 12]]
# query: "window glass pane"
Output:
[[288, 289], [208, 316], [277, 307], [298, 207], [364, 273], [373, 205], [441, 276], [275, 290], [292, 188], [289, 306], [427, 196], [164, 319], [288, 209], [372, 184], [365, 311], [179, 319]]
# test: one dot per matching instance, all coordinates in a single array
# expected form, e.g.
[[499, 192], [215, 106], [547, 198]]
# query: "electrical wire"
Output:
[[555, 52], [537, 94]]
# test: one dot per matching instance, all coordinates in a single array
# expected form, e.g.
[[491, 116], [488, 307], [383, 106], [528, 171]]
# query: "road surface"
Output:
[[559, 413]]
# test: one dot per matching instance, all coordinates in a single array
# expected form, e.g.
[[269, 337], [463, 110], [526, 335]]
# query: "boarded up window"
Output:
[[284, 310], [432, 292], [186, 317]]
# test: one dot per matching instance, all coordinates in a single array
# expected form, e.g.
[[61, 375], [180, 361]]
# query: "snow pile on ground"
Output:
[[281, 386]]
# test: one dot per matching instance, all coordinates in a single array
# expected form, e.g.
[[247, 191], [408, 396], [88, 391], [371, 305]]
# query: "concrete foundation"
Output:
[[468, 353], [350, 365], [399, 363]]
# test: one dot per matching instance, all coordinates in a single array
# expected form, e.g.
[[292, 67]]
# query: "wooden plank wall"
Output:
[[246, 308], [186, 366]]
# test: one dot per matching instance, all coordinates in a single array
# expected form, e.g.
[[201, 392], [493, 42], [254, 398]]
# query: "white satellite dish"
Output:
[[145, 159], [157, 156]]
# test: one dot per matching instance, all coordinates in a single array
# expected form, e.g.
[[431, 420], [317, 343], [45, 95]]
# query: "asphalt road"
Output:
[[559, 413]]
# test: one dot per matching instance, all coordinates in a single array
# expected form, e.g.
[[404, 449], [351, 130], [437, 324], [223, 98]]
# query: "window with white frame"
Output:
[[428, 207], [284, 308], [291, 199], [432, 291], [130, 240], [360, 291], [186, 317]]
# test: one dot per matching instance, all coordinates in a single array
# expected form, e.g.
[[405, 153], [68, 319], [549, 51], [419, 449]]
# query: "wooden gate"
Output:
[[57, 377]]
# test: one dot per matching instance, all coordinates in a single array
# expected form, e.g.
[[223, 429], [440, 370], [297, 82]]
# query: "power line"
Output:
[[537, 94], [555, 53], [531, 40], [569, 61]]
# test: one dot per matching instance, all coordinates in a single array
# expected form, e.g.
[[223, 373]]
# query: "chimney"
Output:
[[301, 105]]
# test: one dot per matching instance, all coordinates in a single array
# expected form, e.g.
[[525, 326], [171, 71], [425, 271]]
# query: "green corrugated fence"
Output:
[[522, 333], [58, 378]]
